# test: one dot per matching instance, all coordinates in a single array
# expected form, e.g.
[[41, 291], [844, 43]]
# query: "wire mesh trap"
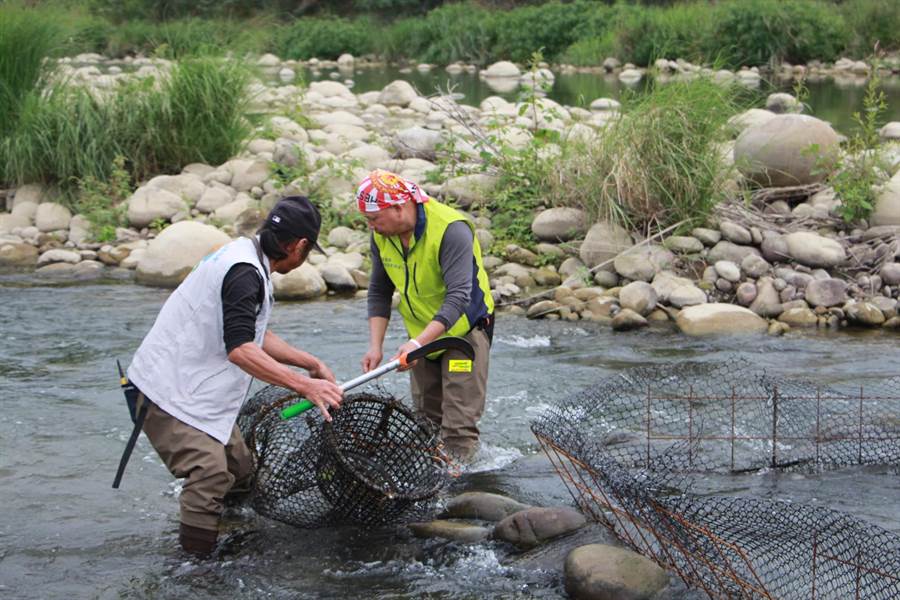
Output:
[[627, 450], [375, 463]]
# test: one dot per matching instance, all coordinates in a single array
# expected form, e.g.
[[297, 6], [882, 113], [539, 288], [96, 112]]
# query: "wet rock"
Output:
[[465, 533], [303, 283], [88, 270], [887, 306], [777, 328], [338, 277], [682, 244], [176, 251], [51, 216], [864, 313], [643, 263], [826, 292], [627, 319], [531, 527], [542, 309], [602, 572], [17, 255], [56, 271], [559, 224], [638, 296], [787, 150], [814, 250], [483, 506], [799, 317], [59, 255], [719, 318]]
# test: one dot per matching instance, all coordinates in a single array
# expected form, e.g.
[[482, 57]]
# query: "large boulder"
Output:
[[417, 142], [17, 255], [470, 189], [603, 242], [303, 283], [719, 318], [787, 150], [814, 250], [603, 572], [8, 222], [51, 216], [397, 93], [188, 186], [248, 174], [642, 263], [148, 204], [530, 527], [503, 68], [176, 251], [559, 224], [215, 197]]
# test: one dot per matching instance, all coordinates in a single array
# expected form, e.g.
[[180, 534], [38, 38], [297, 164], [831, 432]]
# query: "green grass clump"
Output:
[[325, 38], [659, 163], [872, 22], [454, 32]]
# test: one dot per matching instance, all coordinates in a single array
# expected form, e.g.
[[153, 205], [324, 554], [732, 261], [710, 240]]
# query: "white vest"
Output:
[[182, 365]]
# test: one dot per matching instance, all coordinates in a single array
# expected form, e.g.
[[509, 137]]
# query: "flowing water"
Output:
[[64, 533]]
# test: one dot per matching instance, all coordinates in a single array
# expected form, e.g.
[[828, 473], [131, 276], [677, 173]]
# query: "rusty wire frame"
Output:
[[729, 547]]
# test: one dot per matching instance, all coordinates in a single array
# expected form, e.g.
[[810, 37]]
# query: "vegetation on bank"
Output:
[[730, 32]]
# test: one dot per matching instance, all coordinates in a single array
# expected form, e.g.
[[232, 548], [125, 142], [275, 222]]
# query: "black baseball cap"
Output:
[[297, 216]]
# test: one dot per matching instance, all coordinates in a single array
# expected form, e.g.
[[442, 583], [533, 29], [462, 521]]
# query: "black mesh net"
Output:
[[627, 448], [375, 463]]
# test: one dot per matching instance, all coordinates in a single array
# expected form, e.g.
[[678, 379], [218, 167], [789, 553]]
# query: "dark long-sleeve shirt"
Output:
[[243, 293], [456, 259]]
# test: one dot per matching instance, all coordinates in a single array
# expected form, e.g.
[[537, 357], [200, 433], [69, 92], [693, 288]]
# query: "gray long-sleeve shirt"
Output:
[[456, 257]]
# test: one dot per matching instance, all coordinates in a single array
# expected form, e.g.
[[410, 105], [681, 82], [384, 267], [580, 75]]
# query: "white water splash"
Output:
[[535, 341], [490, 458]]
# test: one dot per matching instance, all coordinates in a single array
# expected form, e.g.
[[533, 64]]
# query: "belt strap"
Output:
[[129, 447]]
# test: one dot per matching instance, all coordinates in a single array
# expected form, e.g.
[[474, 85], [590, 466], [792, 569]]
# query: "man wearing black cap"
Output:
[[193, 370]]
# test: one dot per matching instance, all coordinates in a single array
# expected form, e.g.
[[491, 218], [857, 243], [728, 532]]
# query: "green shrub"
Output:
[[455, 32], [26, 38], [757, 32], [871, 22], [549, 26], [103, 202], [326, 38], [641, 35]]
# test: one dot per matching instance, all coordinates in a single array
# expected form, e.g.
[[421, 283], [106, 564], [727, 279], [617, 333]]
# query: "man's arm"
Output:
[[381, 290]]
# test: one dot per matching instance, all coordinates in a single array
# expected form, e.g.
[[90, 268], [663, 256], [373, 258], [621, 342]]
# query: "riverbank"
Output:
[[782, 260]]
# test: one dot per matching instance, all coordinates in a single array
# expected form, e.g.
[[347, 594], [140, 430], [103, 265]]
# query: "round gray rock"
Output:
[[559, 224], [627, 319], [603, 242], [638, 296], [176, 251], [719, 318], [826, 292], [643, 263], [602, 572], [303, 283], [51, 216], [814, 250]]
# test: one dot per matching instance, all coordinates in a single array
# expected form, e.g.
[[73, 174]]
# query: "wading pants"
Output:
[[452, 398], [210, 468]]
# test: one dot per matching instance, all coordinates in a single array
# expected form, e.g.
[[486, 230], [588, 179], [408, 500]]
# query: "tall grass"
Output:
[[658, 164], [455, 32], [871, 22], [25, 41]]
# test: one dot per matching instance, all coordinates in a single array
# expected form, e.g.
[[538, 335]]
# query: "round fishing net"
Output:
[[375, 463]]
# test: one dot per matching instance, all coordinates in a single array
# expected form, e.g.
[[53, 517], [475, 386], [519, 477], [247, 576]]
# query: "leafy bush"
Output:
[[549, 26], [871, 22], [642, 35], [325, 38], [103, 202], [456, 32]]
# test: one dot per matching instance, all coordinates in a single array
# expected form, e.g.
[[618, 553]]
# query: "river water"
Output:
[[64, 533]]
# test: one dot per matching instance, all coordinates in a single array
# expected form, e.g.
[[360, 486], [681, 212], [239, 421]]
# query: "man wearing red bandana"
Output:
[[429, 254]]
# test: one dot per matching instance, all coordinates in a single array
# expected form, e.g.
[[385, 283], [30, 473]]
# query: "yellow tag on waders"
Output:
[[460, 366]]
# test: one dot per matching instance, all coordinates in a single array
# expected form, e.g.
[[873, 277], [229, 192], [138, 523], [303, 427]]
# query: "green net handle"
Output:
[[295, 409]]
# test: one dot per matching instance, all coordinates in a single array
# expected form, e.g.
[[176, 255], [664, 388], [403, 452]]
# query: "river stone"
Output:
[[709, 237], [665, 282], [745, 293], [781, 102], [749, 118], [348, 260], [643, 262], [603, 572], [887, 203], [719, 318], [417, 142], [465, 533], [775, 248], [148, 204], [531, 527], [30, 192], [602, 243], [814, 250], [369, 155], [755, 266], [728, 271], [8, 222], [57, 271], [864, 313], [338, 277], [397, 93], [559, 224], [58, 255], [330, 88], [606, 279], [726, 250], [826, 292], [626, 320], [638, 296], [683, 244], [799, 317], [17, 255], [890, 273], [229, 213], [542, 309], [176, 251], [341, 237], [502, 68], [483, 506], [215, 197], [787, 150], [337, 117], [247, 174], [546, 278], [767, 302], [735, 233], [26, 210], [687, 295], [187, 186], [51, 216], [469, 189], [303, 283]]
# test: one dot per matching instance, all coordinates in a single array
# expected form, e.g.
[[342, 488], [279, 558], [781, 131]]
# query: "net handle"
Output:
[[404, 360]]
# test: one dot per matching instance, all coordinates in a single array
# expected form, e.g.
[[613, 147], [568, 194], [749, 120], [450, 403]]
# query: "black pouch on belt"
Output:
[[137, 409]]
